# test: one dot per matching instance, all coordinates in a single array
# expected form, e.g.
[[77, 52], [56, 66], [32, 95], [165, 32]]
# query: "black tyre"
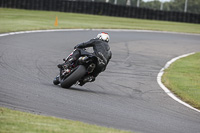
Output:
[[56, 81], [74, 77]]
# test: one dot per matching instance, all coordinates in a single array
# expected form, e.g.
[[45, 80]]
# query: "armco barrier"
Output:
[[100, 8]]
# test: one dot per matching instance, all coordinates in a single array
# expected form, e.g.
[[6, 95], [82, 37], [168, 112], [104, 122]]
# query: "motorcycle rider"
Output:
[[101, 51]]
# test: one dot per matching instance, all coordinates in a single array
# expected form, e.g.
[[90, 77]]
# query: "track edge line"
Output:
[[159, 76], [116, 30], [166, 90]]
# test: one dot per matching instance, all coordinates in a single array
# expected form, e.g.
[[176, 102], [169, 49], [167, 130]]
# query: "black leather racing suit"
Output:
[[101, 50]]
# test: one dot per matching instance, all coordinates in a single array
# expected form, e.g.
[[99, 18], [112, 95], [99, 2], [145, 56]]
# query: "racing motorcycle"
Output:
[[77, 71]]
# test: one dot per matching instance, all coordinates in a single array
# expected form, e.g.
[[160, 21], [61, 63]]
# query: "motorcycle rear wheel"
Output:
[[74, 77]]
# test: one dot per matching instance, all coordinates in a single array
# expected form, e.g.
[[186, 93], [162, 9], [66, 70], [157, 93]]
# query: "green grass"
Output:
[[20, 20], [183, 79], [19, 122]]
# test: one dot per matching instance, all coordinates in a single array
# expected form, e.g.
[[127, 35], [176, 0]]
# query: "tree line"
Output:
[[193, 6]]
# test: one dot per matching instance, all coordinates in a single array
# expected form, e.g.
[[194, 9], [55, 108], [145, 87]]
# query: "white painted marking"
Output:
[[116, 30], [166, 89], [124, 30], [38, 31]]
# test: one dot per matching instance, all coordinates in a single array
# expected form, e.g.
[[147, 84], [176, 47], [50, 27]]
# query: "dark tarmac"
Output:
[[125, 96]]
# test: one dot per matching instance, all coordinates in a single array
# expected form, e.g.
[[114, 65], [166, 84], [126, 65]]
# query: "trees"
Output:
[[151, 4], [193, 6]]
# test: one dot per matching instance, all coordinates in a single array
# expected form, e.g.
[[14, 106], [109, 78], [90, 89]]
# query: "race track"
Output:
[[126, 96]]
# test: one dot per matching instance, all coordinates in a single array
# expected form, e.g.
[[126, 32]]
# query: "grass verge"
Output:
[[21, 20], [20, 122], [183, 79]]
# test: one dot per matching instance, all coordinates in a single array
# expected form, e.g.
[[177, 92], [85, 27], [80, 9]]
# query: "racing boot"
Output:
[[67, 63], [64, 65], [60, 66]]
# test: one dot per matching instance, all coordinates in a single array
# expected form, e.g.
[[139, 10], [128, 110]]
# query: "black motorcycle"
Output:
[[77, 71]]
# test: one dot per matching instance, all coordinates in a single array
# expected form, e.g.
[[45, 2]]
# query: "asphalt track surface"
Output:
[[126, 96]]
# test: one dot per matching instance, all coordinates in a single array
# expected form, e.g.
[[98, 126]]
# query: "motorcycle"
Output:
[[77, 71]]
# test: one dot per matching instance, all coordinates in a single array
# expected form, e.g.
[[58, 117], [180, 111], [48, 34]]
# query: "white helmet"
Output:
[[103, 36]]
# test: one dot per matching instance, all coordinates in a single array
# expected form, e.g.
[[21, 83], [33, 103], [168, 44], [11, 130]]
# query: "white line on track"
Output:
[[38, 31], [159, 76], [166, 89], [117, 30]]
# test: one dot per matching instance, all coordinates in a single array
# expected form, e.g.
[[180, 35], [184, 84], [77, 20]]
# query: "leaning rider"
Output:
[[101, 51]]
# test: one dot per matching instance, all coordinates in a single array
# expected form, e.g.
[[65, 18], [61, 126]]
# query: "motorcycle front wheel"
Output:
[[56, 81], [74, 77]]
